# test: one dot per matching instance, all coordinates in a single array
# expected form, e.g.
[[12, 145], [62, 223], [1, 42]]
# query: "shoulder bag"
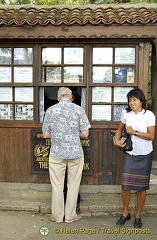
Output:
[[128, 146]]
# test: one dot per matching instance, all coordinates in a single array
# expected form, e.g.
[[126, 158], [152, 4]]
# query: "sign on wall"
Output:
[[40, 153]]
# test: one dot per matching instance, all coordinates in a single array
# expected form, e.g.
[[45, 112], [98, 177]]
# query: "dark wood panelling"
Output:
[[124, 32], [15, 158], [15, 144], [109, 158]]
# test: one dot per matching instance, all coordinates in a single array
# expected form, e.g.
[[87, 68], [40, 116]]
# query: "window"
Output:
[[113, 71], [30, 75], [62, 65], [16, 71]]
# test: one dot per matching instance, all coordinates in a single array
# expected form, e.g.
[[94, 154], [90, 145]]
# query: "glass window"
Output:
[[14, 70], [120, 94], [6, 94], [73, 74], [51, 55], [51, 74], [102, 55], [125, 55], [101, 112], [23, 74], [5, 55], [23, 94], [124, 74], [24, 111], [42, 103], [5, 74], [23, 56], [6, 112], [69, 61], [73, 55], [102, 74], [101, 94], [118, 111]]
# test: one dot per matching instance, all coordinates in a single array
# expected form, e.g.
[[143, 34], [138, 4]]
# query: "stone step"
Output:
[[95, 200]]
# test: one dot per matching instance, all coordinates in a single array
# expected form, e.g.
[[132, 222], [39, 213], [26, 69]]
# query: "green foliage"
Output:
[[3, 2], [70, 2]]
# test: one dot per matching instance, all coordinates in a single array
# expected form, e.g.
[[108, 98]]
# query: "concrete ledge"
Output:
[[92, 204], [95, 200], [25, 190], [19, 205], [32, 190], [100, 189]]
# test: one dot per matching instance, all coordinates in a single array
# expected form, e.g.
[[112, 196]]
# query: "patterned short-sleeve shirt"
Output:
[[64, 121]]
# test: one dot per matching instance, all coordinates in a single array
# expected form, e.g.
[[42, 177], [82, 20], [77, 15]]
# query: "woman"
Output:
[[136, 165]]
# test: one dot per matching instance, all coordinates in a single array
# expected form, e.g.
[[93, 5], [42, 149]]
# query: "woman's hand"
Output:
[[117, 138], [130, 130], [149, 135], [119, 144]]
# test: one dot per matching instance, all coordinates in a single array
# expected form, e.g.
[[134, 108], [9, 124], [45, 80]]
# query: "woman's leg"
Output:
[[126, 202], [141, 197]]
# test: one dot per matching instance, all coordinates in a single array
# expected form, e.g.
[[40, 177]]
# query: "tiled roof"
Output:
[[82, 14]]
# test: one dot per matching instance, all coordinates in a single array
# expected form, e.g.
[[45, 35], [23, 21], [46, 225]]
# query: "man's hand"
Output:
[[46, 135]]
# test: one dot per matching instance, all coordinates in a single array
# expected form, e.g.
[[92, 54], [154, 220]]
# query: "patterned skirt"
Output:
[[136, 171]]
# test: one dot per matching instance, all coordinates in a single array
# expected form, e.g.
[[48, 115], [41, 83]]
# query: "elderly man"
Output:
[[65, 122]]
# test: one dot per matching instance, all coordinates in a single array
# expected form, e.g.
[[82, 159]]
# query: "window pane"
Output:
[[23, 74], [51, 74], [5, 74], [118, 111], [83, 98], [73, 74], [23, 56], [101, 94], [102, 74], [6, 111], [5, 55], [101, 112], [125, 55], [24, 111], [120, 94], [6, 94], [23, 94], [124, 74], [41, 104], [73, 55], [102, 55], [51, 55]]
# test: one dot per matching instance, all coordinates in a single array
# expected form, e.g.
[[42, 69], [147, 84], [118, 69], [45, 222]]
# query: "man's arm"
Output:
[[84, 134]]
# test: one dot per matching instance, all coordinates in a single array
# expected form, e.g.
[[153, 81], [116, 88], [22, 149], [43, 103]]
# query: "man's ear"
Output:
[[70, 97]]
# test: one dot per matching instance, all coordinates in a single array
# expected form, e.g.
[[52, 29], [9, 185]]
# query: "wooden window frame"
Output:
[[141, 46], [17, 84]]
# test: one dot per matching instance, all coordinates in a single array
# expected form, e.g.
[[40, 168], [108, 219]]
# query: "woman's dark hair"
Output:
[[137, 93]]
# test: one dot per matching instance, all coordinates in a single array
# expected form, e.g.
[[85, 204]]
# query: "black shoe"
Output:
[[137, 223], [123, 219]]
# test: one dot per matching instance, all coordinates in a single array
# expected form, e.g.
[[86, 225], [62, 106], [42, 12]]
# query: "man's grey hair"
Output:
[[62, 91]]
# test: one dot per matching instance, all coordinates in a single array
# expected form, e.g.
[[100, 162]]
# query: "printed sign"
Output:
[[41, 148]]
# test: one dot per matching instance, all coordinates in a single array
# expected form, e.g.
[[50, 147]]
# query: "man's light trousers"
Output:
[[57, 168]]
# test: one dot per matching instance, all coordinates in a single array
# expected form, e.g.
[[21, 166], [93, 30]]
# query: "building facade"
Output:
[[101, 50]]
